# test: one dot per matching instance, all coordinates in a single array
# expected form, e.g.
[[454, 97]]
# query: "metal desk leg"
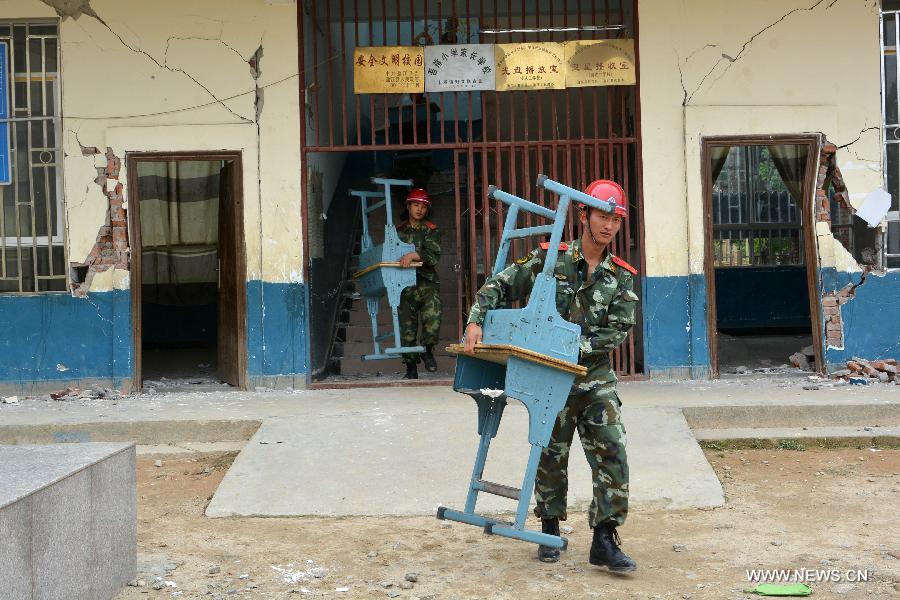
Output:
[[490, 411]]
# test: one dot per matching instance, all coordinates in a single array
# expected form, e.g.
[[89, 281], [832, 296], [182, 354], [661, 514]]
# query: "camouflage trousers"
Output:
[[597, 416], [419, 305]]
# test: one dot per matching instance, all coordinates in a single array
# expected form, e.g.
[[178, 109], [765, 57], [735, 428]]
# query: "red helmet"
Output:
[[418, 195], [606, 190]]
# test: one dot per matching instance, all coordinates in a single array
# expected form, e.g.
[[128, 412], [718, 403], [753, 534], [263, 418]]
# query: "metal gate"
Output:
[[505, 138]]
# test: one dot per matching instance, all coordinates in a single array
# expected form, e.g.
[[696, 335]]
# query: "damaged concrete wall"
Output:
[[182, 76], [721, 68]]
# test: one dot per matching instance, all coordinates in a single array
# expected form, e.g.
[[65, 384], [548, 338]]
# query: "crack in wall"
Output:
[[730, 60], [164, 65]]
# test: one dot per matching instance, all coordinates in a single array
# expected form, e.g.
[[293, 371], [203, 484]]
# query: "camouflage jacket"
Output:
[[602, 304], [427, 240]]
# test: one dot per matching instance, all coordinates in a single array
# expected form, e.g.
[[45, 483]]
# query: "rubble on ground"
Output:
[[805, 359], [861, 371], [95, 393]]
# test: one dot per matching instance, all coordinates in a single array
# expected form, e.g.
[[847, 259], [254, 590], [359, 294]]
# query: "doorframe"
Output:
[[134, 233], [808, 229]]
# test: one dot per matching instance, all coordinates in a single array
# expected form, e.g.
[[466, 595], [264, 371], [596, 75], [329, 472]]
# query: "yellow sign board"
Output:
[[389, 70], [530, 66], [600, 62]]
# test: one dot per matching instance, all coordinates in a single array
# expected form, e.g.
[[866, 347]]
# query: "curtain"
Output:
[[179, 216], [717, 157], [790, 161]]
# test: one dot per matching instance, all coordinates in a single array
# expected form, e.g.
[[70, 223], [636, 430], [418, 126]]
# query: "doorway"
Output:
[[470, 140], [188, 270], [760, 254]]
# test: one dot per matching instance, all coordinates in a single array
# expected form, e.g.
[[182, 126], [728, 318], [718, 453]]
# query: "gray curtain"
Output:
[[790, 160], [179, 215]]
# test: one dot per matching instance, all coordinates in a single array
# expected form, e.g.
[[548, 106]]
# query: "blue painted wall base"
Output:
[[56, 337], [871, 319], [53, 340], [276, 329], [676, 345]]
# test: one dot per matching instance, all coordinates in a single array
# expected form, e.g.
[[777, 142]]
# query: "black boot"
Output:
[[547, 553], [428, 359], [411, 371], [605, 550]]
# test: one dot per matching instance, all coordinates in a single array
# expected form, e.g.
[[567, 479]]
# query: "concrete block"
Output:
[[68, 521], [114, 523], [15, 550], [61, 530]]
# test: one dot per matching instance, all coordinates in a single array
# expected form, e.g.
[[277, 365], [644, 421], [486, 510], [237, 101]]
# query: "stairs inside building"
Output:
[[354, 329]]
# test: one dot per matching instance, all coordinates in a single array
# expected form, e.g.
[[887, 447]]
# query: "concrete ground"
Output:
[[405, 450]]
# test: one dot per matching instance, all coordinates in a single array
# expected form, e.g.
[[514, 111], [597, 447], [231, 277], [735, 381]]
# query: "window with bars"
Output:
[[755, 219], [32, 248], [890, 33]]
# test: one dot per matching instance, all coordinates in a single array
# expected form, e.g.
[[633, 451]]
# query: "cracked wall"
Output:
[[180, 76], [711, 68], [172, 76], [722, 68]]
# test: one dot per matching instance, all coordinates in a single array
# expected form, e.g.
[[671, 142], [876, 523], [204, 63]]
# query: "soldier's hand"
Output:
[[408, 259], [472, 336]]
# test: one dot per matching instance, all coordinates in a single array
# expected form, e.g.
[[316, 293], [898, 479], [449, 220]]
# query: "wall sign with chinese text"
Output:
[[530, 66], [388, 70], [459, 67], [600, 62]]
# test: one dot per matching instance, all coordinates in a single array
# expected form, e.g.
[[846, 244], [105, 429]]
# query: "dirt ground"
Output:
[[828, 509]]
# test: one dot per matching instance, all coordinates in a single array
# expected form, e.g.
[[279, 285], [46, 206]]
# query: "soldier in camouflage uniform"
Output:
[[594, 289], [420, 304]]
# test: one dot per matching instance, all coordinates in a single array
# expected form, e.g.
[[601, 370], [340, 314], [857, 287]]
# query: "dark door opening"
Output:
[[187, 270], [760, 257], [467, 140]]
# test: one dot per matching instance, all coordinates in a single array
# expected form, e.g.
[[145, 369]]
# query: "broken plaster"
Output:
[[71, 8], [111, 251]]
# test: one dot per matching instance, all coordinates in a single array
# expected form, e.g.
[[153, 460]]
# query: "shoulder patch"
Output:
[[562, 246], [624, 265], [430, 225]]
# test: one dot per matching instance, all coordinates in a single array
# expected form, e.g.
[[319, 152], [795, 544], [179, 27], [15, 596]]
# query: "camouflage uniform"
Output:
[[603, 304], [422, 303]]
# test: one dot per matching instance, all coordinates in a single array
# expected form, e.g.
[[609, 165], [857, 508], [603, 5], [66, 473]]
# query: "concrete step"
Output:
[[363, 333], [798, 415], [395, 368], [359, 317], [844, 435], [353, 350]]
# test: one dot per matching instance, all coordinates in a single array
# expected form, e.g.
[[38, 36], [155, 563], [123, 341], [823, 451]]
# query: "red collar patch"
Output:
[[624, 265], [562, 246]]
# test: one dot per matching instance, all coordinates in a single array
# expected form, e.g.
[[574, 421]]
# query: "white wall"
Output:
[[173, 76], [755, 67]]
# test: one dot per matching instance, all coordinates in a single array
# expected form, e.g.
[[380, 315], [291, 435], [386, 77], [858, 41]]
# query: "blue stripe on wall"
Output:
[[90, 337], [675, 330], [871, 318], [276, 328]]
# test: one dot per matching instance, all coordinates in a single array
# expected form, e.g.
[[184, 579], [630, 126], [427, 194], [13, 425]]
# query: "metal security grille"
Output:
[[890, 67], [755, 219], [478, 139], [32, 248]]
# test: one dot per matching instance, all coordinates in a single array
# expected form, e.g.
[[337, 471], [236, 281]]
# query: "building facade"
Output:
[[179, 177]]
